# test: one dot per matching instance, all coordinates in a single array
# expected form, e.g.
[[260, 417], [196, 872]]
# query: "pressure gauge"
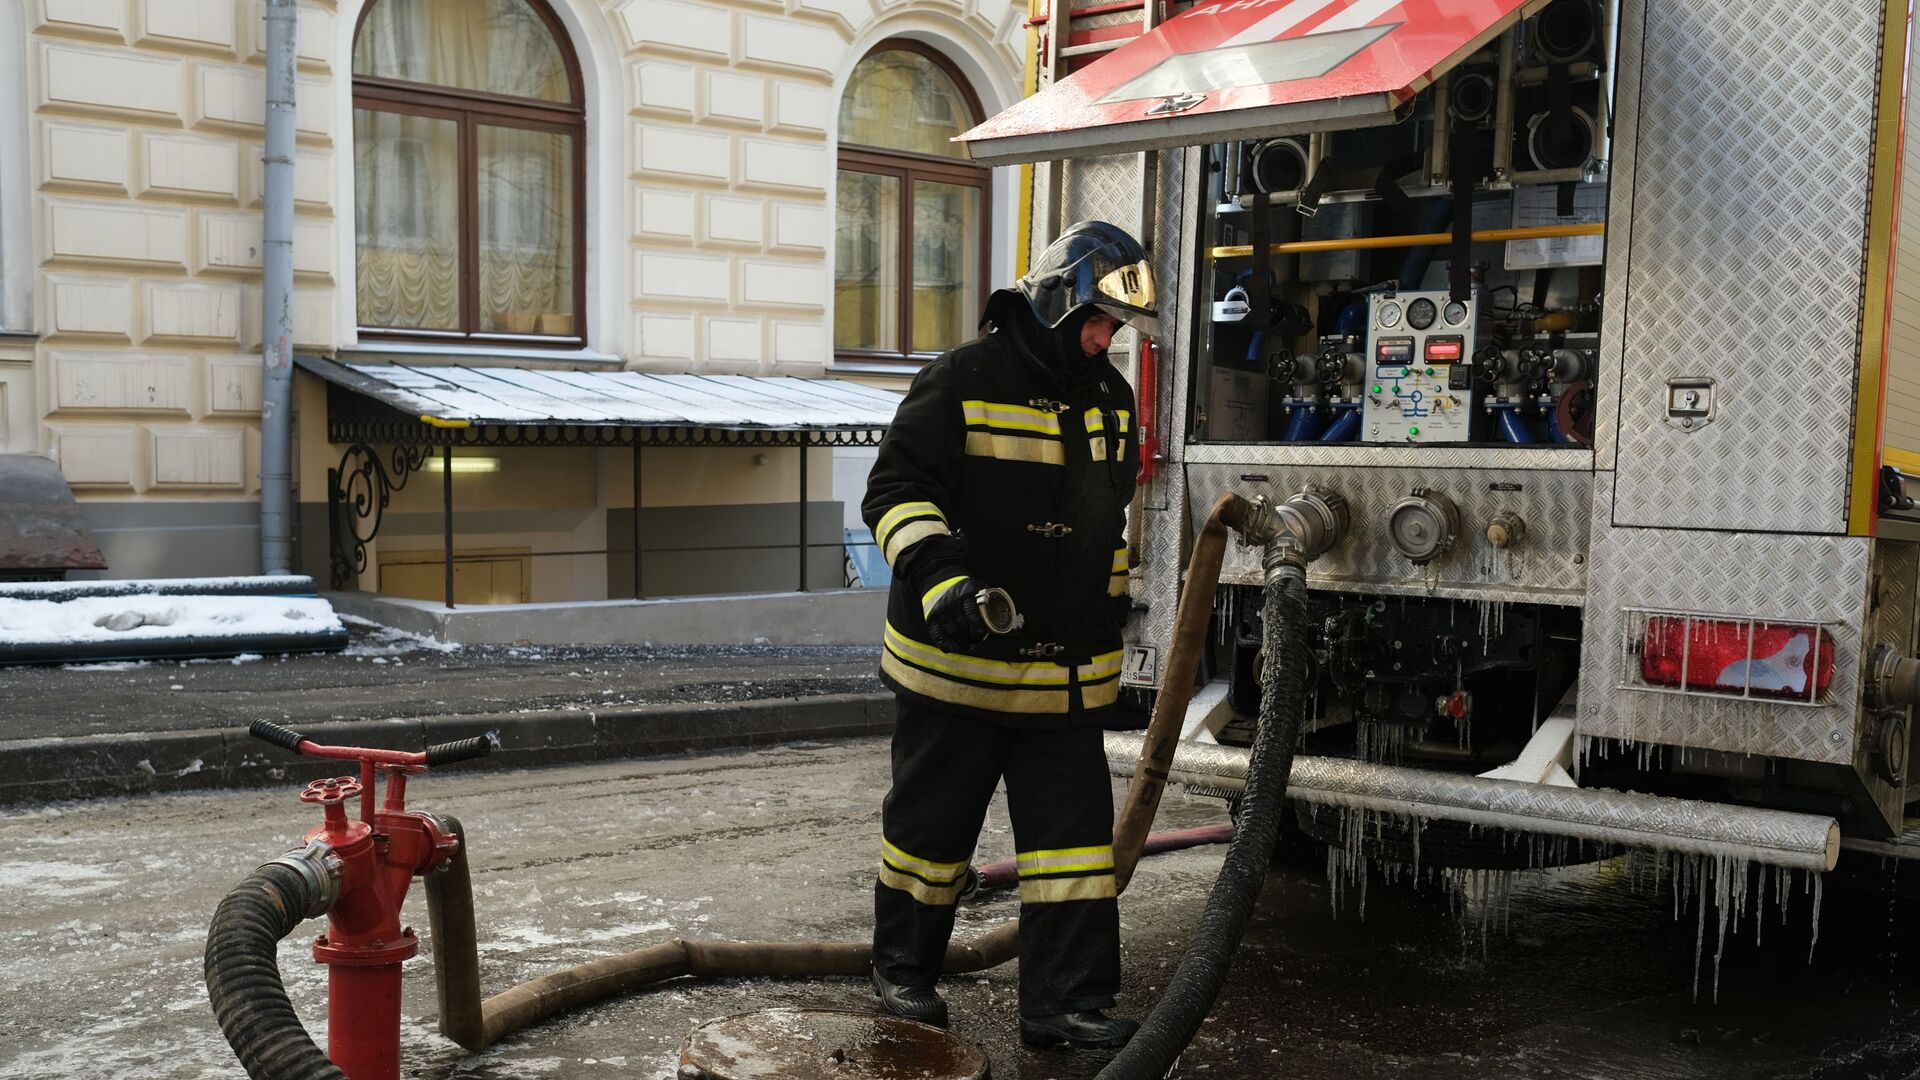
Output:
[[1421, 313], [1389, 315], [1456, 313]]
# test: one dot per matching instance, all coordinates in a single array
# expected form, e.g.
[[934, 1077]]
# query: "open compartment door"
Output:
[[1247, 69]]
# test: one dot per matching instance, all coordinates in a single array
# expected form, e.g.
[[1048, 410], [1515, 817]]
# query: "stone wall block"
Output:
[[233, 244], [186, 167], [681, 150], [663, 87], [233, 386], [784, 165], [733, 222], [782, 44], [115, 84], [197, 25], [802, 343], [234, 99], [95, 456], [83, 157], [782, 283], [312, 177], [802, 108], [89, 306], [733, 339], [182, 456], [672, 276], [800, 228], [123, 382], [113, 233], [670, 26], [104, 20], [194, 313], [664, 213], [733, 98], [665, 341]]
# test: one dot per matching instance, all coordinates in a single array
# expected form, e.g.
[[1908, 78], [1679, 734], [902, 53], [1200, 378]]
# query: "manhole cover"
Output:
[[815, 1044]]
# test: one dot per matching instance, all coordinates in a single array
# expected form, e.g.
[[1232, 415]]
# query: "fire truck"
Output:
[[1592, 317]]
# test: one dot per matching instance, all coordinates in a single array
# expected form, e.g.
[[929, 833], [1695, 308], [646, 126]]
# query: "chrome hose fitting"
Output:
[[322, 869], [1298, 530]]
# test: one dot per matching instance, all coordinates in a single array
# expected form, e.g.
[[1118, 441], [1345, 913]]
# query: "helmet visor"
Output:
[[1126, 292]]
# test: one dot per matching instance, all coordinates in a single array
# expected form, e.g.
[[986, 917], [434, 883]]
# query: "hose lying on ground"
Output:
[[243, 974], [251, 1003], [476, 1024], [1190, 994]]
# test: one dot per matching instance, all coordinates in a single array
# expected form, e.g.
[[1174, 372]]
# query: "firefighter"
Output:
[[999, 498]]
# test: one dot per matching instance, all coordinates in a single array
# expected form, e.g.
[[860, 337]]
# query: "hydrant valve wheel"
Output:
[[333, 789]]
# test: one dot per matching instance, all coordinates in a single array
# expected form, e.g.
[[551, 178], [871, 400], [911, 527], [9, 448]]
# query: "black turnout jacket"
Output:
[[1014, 470]]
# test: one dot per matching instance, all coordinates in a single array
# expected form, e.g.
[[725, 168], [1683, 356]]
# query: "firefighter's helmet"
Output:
[[1093, 264]]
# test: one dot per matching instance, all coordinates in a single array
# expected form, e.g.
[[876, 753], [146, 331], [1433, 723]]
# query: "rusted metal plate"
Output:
[[40, 524], [808, 1044]]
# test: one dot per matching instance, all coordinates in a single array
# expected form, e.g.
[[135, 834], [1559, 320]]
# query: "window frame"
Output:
[[471, 109], [909, 167]]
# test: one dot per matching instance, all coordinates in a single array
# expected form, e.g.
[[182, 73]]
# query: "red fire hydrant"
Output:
[[372, 861]]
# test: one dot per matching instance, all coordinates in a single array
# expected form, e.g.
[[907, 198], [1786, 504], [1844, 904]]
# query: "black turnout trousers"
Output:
[[945, 769]]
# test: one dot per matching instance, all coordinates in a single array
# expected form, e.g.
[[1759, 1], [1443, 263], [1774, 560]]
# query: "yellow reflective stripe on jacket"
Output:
[[941, 873], [1117, 580], [908, 535], [931, 895], [1119, 560], [1009, 417], [1125, 416], [933, 595], [899, 515], [1060, 889], [981, 669], [1096, 420], [1038, 688], [1064, 860], [1015, 448]]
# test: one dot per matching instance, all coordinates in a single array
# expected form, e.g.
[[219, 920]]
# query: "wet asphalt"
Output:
[[1578, 973]]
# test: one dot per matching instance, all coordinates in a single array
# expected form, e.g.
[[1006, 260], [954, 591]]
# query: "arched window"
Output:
[[469, 133], [911, 239]]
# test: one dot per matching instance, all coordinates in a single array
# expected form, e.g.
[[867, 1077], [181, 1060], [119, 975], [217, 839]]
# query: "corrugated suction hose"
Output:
[[1196, 982], [243, 975]]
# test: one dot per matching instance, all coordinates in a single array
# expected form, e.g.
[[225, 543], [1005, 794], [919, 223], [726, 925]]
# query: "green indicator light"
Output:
[[1413, 431], [1396, 388], [1376, 389], [1429, 371]]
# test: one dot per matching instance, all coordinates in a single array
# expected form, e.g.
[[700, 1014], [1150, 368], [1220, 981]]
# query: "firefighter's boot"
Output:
[[910, 1002], [1088, 1030]]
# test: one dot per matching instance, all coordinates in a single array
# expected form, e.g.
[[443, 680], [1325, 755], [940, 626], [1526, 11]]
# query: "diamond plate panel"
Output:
[[1105, 189], [1164, 547], [1547, 567], [1806, 578], [1613, 308], [1746, 261]]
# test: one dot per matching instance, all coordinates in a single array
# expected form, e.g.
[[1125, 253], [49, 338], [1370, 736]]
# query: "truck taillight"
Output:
[[1735, 657]]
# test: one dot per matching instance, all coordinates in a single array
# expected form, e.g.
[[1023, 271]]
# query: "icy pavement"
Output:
[[1582, 973]]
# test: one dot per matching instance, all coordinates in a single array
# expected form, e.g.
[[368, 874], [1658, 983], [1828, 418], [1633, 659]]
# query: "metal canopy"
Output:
[[456, 398], [1247, 69]]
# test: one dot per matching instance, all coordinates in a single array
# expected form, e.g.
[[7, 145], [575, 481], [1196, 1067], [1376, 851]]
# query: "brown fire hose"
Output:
[[476, 1024]]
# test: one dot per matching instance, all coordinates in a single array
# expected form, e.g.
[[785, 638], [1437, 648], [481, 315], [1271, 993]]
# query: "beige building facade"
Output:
[[709, 193]]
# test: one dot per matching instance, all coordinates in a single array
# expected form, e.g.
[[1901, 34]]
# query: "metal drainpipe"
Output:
[[276, 282]]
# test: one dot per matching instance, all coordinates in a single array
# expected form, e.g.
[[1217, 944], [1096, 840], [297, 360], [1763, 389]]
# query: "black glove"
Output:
[[955, 623]]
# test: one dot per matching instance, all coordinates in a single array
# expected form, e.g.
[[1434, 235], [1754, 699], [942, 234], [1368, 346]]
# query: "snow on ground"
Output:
[[382, 641], [122, 618], [57, 589]]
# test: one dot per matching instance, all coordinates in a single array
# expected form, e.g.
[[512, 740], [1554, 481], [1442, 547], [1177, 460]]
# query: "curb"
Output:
[[91, 766]]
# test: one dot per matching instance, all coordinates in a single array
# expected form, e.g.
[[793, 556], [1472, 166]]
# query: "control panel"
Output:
[[1419, 381]]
